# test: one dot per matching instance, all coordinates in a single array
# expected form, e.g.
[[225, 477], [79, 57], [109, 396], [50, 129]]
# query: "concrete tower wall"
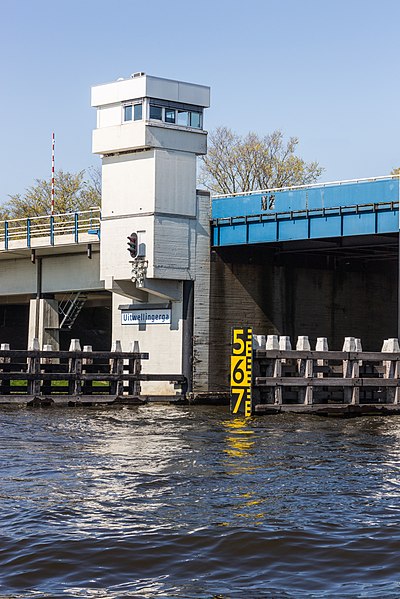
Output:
[[149, 189]]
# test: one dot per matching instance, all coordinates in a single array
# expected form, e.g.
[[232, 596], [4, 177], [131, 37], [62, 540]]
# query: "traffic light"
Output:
[[133, 245]]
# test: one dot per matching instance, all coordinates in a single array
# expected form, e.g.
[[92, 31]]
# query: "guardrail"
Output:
[[50, 226]]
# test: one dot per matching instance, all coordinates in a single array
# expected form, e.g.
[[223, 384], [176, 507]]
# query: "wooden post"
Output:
[[33, 367], [75, 367], [272, 342], [46, 387], [351, 369], [321, 345], [117, 367], [135, 367], [87, 385], [391, 370], [306, 369], [5, 385]]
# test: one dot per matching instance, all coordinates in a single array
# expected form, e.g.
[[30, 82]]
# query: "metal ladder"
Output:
[[69, 309]]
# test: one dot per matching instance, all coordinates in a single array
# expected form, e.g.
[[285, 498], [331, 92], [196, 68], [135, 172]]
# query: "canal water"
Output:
[[166, 501]]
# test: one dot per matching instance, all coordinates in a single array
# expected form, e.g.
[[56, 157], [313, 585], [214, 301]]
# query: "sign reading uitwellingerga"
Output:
[[241, 371], [147, 316]]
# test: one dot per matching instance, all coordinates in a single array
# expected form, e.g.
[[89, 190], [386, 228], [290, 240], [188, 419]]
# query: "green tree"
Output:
[[72, 192], [237, 163]]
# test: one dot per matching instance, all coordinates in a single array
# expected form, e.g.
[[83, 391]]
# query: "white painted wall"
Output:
[[175, 182], [152, 87], [128, 184], [149, 187], [163, 342], [119, 138], [146, 134], [110, 115], [115, 258]]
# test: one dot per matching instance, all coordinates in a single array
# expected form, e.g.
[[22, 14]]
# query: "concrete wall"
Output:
[[128, 184], [297, 297], [151, 87], [163, 342], [201, 324], [65, 272]]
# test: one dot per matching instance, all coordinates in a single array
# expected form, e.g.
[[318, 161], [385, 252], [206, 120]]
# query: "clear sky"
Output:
[[325, 71]]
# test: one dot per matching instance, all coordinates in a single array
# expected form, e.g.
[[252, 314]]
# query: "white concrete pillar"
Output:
[[75, 345], [272, 342], [349, 344], [322, 344], [259, 341], [116, 345], [303, 343], [285, 343], [44, 322], [392, 345]]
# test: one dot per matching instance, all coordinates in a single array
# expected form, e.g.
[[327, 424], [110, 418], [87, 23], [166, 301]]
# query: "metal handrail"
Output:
[[304, 212], [68, 223], [306, 186]]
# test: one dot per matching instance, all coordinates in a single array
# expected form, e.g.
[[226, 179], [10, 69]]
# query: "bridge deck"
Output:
[[363, 207]]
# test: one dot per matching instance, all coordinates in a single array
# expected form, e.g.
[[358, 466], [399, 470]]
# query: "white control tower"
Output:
[[149, 133]]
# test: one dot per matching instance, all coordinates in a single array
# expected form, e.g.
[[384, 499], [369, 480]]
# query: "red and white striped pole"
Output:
[[52, 173]]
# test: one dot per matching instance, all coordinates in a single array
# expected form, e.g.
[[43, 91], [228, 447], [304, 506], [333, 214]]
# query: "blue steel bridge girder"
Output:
[[367, 207]]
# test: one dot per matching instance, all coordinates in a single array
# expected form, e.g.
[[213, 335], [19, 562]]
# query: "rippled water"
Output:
[[166, 501]]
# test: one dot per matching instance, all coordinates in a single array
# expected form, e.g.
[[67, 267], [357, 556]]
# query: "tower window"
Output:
[[137, 112], [169, 115], [183, 118], [128, 112], [195, 120], [155, 112], [133, 112]]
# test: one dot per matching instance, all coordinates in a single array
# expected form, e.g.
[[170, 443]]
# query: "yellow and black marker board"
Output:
[[241, 371]]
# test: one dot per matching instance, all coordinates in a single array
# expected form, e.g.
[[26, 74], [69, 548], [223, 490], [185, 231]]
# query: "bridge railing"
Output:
[[50, 226]]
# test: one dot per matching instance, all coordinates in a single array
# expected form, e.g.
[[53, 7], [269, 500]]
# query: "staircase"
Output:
[[69, 309]]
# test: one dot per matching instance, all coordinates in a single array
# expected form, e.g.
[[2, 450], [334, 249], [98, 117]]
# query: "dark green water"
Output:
[[164, 501]]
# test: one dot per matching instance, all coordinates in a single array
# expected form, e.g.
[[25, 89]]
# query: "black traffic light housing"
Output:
[[133, 245]]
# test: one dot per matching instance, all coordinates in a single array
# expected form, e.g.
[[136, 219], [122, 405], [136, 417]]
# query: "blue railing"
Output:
[[50, 227]]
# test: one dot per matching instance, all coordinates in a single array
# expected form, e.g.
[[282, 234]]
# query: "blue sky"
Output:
[[324, 71]]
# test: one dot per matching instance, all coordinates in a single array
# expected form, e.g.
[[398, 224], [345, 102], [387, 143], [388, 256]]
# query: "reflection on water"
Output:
[[240, 442], [165, 501]]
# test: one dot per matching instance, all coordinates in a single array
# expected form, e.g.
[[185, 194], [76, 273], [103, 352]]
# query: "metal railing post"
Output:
[[6, 235], [51, 230], [28, 232], [76, 219]]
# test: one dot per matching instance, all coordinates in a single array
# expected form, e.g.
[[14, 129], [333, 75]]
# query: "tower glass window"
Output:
[[169, 115], [155, 112], [183, 118], [128, 112], [137, 112], [195, 120]]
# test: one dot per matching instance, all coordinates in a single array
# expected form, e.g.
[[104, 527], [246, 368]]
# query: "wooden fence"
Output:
[[74, 377], [314, 380]]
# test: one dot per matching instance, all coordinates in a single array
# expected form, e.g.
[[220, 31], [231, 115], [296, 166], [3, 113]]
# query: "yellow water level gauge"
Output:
[[241, 371]]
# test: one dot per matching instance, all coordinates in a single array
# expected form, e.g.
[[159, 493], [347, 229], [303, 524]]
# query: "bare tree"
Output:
[[72, 193], [237, 163]]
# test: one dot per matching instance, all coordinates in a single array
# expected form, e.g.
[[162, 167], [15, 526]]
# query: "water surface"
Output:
[[166, 501]]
